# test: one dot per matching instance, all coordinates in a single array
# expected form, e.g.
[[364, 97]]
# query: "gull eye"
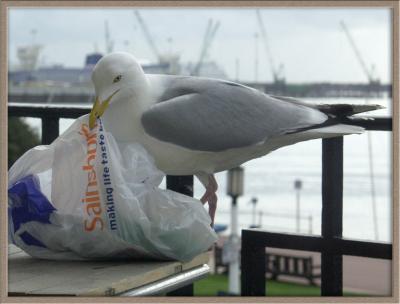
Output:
[[118, 78]]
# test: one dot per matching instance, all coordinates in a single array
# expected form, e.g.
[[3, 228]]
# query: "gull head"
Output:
[[116, 77]]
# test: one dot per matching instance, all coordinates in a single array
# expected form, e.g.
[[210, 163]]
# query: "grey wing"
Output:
[[210, 115]]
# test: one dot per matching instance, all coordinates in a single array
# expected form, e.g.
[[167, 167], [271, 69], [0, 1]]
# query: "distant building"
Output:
[[59, 84], [64, 76]]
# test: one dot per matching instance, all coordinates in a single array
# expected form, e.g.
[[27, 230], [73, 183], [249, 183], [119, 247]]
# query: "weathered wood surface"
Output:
[[30, 276]]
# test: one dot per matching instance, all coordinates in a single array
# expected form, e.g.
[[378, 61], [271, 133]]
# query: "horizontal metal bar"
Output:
[[262, 238], [377, 123], [170, 283], [266, 214], [45, 110], [363, 249], [373, 123], [318, 244]]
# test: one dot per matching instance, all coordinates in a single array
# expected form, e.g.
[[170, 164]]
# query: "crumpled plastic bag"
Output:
[[85, 196]]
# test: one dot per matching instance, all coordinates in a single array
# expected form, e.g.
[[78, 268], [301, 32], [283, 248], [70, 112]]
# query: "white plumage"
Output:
[[201, 126]]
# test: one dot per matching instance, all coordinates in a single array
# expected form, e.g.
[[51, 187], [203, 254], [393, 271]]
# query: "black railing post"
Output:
[[184, 185], [332, 215], [253, 266], [50, 129]]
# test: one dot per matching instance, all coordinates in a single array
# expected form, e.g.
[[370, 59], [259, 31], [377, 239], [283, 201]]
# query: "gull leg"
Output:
[[211, 197], [212, 207]]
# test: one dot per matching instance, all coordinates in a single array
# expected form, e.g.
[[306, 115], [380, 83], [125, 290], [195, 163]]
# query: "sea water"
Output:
[[271, 179]]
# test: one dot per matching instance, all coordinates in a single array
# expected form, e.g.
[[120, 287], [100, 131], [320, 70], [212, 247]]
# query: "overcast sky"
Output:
[[309, 42]]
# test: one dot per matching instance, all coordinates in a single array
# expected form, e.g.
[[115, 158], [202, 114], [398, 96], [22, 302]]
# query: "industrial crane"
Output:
[[109, 42], [277, 74], [372, 82], [148, 36], [207, 41], [170, 61], [367, 72]]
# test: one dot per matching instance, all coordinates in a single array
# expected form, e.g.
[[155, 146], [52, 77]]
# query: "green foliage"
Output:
[[21, 137], [214, 283], [210, 286]]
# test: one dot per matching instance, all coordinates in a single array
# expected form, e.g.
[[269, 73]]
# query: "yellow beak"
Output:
[[98, 109]]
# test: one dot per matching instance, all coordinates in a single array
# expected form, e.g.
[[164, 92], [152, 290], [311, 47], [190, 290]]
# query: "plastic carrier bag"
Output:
[[85, 197]]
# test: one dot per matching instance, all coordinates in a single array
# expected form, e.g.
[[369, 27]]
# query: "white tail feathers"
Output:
[[324, 132], [337, 130]]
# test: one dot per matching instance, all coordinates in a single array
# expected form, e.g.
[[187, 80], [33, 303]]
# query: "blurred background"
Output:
[[316, 55]]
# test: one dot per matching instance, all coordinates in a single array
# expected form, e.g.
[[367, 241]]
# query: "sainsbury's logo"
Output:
[[91, 199]]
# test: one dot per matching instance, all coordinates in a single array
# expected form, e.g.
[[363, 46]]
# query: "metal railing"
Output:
[[258, 218], [330, 244]]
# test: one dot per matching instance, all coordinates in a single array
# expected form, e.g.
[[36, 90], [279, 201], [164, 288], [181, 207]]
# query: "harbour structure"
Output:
[[58, 84], [30, 82]]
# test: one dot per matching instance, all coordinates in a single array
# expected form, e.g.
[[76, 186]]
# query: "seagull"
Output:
[[200, 126]]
